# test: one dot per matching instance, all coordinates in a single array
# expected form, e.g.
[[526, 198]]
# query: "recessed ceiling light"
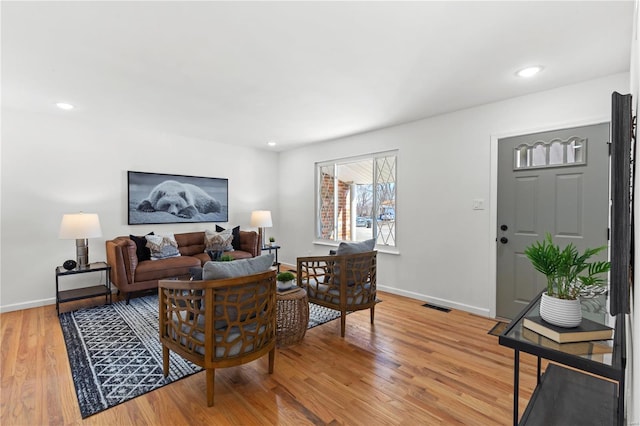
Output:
[[64, 105], [271, 143], [529, 71]]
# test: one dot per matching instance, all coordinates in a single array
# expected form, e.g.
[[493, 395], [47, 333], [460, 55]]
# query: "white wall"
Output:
[[55, 164], [447, 250]]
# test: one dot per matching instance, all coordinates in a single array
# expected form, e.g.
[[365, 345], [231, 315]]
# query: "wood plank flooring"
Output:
[[415, 365]]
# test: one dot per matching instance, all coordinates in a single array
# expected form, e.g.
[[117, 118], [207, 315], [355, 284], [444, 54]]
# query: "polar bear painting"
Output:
[[180, 199]]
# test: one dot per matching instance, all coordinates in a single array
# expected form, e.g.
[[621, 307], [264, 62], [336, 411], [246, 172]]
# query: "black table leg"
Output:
[[516, 385]]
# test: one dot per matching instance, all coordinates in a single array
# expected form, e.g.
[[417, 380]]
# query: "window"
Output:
[[569, 152], [356, 199]]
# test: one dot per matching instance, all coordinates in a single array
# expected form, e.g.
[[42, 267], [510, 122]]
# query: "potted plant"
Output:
[[568, 274], [272, 241], [285, 280]]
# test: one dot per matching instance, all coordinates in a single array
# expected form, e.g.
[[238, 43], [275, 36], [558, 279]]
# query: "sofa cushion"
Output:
[[142, 251], [218, 241], [236, 236], [237, 268], [190, 243], [149, 270], [162, 246]]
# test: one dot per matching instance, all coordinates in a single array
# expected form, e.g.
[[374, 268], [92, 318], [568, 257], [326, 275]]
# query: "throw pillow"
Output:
[[236, 236], [218, 241], [352, 248], [356, 247], [142, 251], [162, 246], [237, 268], [196, 273]]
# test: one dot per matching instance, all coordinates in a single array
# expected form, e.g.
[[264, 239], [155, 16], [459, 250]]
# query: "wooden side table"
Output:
[[293, 316], [84, 292]]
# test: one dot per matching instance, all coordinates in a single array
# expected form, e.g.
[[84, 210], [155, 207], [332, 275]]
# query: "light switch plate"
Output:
[[478, 204]]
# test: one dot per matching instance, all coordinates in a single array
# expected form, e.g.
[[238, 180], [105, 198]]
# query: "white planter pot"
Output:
[[285, 285], [560, 312]]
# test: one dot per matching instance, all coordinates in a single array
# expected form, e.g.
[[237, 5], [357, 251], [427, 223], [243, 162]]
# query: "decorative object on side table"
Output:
[[568, 273], [69, 264], [285, 280], [272, 241], [587, 330], [80, 227]]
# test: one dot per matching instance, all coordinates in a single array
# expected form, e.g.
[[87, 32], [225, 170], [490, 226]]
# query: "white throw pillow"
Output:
[[218, 241], [162, 246]]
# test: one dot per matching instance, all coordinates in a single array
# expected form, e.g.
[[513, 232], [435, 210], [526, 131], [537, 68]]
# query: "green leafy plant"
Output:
[[226, 258], [285, 276], [568, 272], [272, 239]]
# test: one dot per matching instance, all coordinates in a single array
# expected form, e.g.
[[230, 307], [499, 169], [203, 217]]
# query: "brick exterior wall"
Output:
[[327, 208]]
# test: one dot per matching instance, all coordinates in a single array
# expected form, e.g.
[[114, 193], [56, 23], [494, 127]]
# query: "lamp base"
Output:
[[82, 253], [261, 236]]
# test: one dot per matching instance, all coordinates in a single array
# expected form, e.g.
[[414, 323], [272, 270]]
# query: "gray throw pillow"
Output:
[[233, 269], [356, 247], [237, 268], [352, 248]]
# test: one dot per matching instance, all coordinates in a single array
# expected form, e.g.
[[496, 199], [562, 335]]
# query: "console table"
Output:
[[571, 396]]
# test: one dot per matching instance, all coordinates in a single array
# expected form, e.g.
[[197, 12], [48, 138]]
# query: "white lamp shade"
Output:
[[80, 226], [261, 218]]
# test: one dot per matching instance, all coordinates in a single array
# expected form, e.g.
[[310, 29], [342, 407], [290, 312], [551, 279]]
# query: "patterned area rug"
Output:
[[115, 353]]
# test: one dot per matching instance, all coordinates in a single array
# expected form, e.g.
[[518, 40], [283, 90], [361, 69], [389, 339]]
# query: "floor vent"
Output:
[[437, 308]]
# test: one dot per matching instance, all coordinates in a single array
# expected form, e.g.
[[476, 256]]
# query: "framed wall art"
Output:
[[162, 198]]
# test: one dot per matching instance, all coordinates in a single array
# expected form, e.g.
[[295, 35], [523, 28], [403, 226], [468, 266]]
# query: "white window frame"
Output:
[[376, 223]]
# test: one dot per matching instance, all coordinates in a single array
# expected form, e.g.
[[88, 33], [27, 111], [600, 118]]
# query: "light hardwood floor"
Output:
[[415, 365]]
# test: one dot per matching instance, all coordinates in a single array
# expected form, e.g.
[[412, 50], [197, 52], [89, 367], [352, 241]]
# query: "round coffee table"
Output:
[[293, 316]]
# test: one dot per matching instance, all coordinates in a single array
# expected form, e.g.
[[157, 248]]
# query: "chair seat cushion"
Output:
[[331, 294], [234, 335]]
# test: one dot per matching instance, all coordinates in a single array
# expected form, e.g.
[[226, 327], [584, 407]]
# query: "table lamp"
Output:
[[261, 219], [80, 227]]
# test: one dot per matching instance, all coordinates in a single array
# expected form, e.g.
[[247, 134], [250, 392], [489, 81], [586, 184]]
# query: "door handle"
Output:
[[504, 227], [504, 240]]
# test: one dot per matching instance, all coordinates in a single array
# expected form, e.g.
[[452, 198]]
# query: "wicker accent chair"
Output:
[[342, 282], [218, 323]]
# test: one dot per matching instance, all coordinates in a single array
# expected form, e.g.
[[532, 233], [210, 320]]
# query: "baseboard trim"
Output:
[[437, 301], [27, 305]]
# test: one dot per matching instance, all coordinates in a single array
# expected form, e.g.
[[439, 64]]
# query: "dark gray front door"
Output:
[[555, 182]]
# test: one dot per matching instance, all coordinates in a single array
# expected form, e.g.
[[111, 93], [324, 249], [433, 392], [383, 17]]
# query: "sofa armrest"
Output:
[[121, 256], [250, 242]]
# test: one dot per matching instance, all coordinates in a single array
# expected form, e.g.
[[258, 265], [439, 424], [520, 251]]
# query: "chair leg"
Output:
[[373, 310], [211, 375], [343, 322], [165, 360], [272, 358]]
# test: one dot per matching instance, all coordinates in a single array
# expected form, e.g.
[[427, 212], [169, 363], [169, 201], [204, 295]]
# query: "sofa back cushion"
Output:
[[190, 243]]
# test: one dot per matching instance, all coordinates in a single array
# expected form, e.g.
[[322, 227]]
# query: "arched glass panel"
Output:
[[539, 155], [556, 153]]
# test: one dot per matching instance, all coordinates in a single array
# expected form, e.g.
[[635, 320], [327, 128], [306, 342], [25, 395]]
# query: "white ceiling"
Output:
[[297, 72]]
